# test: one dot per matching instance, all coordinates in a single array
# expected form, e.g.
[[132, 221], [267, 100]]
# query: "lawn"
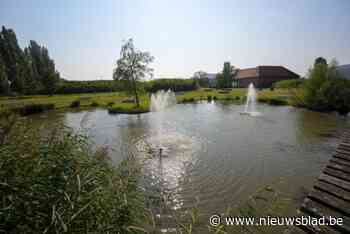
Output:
[[117, 102]]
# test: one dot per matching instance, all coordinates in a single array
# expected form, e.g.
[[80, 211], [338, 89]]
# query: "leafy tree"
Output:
[[132, 66], [325, 89], [225, 79], [320, 60], [13, 58], [4, 83], [201, 79], [42, 67]]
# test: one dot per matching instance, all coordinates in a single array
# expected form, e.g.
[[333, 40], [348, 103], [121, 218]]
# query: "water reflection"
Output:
[[212, 154]]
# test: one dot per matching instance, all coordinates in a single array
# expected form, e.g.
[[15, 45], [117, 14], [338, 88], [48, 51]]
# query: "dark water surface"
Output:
[[212, 155]]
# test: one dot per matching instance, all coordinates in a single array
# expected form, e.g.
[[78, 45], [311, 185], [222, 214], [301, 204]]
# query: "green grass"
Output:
[[114, 101], [56, 183]]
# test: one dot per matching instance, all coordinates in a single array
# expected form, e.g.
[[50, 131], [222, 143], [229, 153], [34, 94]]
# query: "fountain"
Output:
[[250, 105], [162, 100]]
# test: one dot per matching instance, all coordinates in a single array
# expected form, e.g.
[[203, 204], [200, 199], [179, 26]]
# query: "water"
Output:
[[250, 106], [215, 157], [162, 100]]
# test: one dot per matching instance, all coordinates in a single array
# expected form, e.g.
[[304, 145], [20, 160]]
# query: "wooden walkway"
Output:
[[330, 195]]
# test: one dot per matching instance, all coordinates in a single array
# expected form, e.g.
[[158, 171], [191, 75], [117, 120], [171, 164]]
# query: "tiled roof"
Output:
[[247, 73], [265, 71]]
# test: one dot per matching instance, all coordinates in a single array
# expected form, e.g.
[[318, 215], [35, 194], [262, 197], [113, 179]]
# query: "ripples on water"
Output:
[[213, 156]]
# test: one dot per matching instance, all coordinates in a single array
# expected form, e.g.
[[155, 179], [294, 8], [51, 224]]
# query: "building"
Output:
[[344, 70], [262, 76], [211, 79]]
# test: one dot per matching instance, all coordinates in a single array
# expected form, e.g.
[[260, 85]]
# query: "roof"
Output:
[[247, 73], [265, 71], [344, 70]]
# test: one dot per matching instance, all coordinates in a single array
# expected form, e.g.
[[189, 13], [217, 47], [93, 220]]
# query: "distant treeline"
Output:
[[28, 71], [175, 85], [96, 86]]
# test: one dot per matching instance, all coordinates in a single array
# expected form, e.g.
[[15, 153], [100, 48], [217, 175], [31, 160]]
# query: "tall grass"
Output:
[[53, 182]]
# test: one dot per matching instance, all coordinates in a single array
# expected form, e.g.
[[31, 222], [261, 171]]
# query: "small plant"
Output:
[[29, 109], [110, 104], [94, 104], [75, 104], [57, 184], [209, 98]]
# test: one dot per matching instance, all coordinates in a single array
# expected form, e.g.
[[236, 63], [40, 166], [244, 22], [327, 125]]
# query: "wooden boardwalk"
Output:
[[330, 195]]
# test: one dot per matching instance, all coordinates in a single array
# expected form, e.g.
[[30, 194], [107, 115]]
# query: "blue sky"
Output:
[[84, 37]]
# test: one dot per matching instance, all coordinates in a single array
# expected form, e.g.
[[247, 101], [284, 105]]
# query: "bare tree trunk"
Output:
[[135, 93]]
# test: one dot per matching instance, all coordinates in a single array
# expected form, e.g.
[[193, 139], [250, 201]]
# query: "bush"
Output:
[[209, 98], [94, 104], [276, 101], [185, 100], [326, 90], [29, 109], [95, 86], [288, 84], [110, 104], [75, 104], [176, 85], [57, 184]]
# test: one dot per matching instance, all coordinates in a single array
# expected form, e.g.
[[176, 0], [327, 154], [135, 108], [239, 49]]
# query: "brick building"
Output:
[[262, 76]]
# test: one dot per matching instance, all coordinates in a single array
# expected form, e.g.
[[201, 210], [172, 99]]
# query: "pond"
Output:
[[214, 157]]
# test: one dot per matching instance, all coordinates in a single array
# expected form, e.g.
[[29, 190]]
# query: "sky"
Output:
[[84, 36]]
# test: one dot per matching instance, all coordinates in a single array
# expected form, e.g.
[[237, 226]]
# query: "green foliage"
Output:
[[276, 101], [4, 82], [132, 66], [225, 78], [55, 183], [33, 108], [75, 104], [175, 85], [43, 67], [326, 90], [94, 104], [30, 71], [94, 86], [289, 84]]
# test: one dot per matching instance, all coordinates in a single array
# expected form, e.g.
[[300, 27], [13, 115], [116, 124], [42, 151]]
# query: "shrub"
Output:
[[176, 85], [326, 90], [110, 104], [75, 104], [273, 101], [29, 109], [209, 98], [94, 104], [57, 184], [185, 100], [215, 98], [288, 84]]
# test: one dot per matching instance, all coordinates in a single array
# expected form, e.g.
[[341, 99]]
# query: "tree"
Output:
[[325, 89], [132, 66], [4, 82], [201, 78], [320, 60], [43, 68], [225, 79], [13, 59]]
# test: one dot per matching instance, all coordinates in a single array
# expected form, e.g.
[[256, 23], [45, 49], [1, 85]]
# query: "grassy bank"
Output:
[[53, 182], [119, 102]]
